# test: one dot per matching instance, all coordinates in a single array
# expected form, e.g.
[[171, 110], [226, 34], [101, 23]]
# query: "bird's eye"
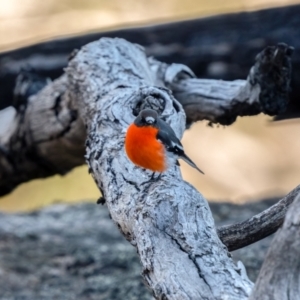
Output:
[[150, 120]]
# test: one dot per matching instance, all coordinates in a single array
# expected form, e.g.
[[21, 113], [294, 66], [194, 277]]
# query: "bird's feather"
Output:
[[172, 144]]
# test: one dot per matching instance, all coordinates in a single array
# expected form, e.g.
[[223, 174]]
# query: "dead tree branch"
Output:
[[168, 221], [279, 276], [106, 84], [46, 135], [265, 91], [242, 234]]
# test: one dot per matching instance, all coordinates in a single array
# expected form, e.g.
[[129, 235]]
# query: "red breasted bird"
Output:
[[152, 144]]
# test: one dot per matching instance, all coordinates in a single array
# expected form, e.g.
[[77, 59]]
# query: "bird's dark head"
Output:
[[146, 117]]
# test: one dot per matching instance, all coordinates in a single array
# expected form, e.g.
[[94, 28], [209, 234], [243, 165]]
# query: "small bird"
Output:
[[152, 144]]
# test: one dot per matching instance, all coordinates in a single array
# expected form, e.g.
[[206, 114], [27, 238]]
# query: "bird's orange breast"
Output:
[[143, 149]]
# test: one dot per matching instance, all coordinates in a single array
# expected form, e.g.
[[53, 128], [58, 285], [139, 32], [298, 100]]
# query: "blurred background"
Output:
[[251, 159]]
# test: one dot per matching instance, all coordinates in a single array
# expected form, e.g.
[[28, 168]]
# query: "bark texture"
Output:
[[106, 84], [168, 221], [46, 135], [279, 278], [266, 89]]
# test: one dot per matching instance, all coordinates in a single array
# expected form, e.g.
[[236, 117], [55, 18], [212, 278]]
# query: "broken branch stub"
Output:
[[266, 89], [45, 137], [168, 221]]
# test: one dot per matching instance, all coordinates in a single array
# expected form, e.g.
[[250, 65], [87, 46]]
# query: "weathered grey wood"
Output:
[[47, 123], [259, 226], [106, 84], [266, 89], [45, 138], [279, 277], [168, 221]]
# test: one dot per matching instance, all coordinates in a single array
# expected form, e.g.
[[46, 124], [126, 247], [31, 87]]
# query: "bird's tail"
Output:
[[190, 162]]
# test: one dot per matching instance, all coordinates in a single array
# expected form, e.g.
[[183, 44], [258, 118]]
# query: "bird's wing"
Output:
[[172, 144], [168, 137]]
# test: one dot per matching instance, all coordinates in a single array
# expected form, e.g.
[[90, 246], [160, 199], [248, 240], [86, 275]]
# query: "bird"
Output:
[[152, 144]]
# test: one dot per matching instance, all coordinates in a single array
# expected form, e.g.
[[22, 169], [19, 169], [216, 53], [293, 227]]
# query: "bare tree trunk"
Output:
[[279, 277]]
